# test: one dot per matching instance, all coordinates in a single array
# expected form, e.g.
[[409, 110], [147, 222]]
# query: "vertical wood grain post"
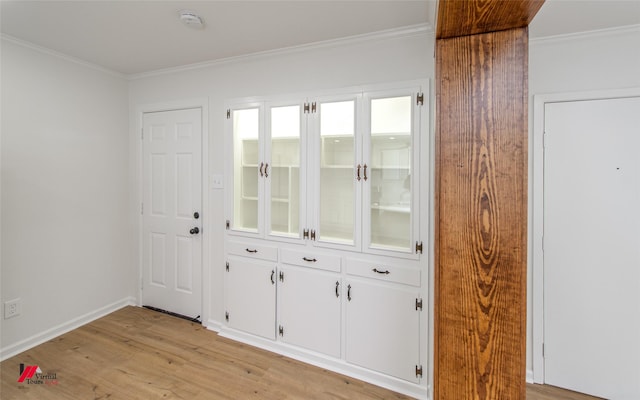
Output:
[[481, 216]]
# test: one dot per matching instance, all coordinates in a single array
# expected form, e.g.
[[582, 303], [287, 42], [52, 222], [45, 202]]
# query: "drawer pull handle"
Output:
[[309, 259], [251, 251], [379, 271]]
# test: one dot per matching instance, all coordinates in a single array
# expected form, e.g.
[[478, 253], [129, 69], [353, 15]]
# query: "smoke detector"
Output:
[[191, 19]]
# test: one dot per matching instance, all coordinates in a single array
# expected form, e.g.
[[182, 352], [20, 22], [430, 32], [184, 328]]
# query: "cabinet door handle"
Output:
[[337, 288], [261, 166], [266, 173], [273, 272], [365, 171], [379, 271], [309, 259], [358, 172], [349, 292], [251, 251]]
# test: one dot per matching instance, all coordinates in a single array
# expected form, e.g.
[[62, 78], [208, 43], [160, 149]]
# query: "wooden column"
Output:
[[481, 209]]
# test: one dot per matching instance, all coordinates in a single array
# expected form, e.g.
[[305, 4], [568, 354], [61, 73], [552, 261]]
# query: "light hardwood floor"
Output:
[[136, 353]]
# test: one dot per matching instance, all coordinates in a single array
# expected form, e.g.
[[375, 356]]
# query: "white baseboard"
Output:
[[530, 376], [26, 344], [213, 325]]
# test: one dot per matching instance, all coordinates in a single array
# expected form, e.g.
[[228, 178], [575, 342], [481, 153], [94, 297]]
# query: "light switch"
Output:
[[217, 181]]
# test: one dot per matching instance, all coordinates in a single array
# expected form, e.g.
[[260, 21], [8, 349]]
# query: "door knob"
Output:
[[194, 231], [196, 215]]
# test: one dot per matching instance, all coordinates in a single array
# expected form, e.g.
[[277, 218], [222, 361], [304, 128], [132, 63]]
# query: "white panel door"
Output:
[[172, 195], [592, 247], [250, 297], [309, 304], [383, 328]]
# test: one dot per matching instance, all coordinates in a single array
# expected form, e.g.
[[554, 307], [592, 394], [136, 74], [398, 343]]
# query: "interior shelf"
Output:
[[333, 166], [404, 209]]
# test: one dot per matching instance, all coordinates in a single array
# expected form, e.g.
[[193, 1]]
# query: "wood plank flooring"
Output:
[[136, 353], [544, 392]]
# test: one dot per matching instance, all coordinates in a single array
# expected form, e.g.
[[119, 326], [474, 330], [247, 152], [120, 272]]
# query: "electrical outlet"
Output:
[[12, 308]]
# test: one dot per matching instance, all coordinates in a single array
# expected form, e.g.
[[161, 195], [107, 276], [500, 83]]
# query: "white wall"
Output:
[[66, 248], [396, 58], [601, 60]]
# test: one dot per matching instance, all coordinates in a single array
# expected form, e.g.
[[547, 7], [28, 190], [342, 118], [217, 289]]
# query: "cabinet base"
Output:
[[319, 360]]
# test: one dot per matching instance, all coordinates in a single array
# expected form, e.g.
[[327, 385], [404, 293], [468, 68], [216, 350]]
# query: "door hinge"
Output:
[[419, 247], [141, 208], [227, 267], [418, 371], [543, 350], [226, 316], [418, 304], [281, 276], [227, 224], [305, 108], [420, 99], [280, 330], [228, 114]]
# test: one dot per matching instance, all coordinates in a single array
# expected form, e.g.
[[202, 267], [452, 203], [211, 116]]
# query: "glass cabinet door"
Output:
[[284, 170], [337, 196], [246, 169], [390, 158]]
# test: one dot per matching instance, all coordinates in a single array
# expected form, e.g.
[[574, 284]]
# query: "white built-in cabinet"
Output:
[[383, 328], [305, 292], [251, 306], [326, 218]]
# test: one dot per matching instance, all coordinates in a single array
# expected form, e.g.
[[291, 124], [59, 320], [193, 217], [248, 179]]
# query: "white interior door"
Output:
[[172, 195], [592, 247]]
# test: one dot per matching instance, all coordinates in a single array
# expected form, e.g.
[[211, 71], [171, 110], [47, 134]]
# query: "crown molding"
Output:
[[407, 31], [62, 56], [618, 30]]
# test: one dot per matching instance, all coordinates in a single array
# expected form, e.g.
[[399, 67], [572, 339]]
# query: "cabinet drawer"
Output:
[[385, 272], [312, 259], [252, 250]]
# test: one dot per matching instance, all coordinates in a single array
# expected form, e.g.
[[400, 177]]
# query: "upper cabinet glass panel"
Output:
[[337, 183], [246, 153], [284, 170], [390, 158]]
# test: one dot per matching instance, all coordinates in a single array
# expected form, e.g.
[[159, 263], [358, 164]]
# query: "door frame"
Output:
[[537, 209], [136, 145]]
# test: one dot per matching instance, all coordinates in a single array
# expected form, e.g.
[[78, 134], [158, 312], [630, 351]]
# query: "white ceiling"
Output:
[[558, 17], [132, 37]]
